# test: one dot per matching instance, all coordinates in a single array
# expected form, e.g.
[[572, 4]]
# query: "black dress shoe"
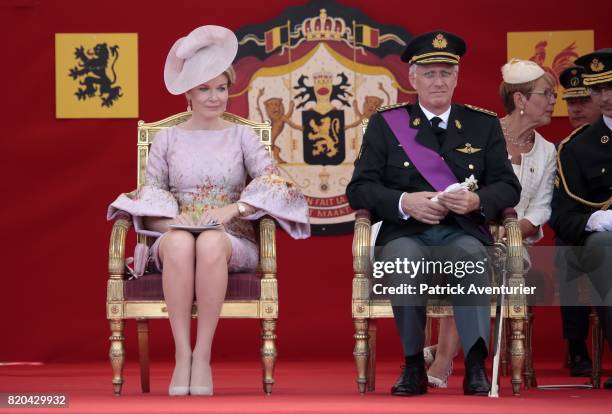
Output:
[[413, 381], [476, 381], [581, 366], [608, 384]]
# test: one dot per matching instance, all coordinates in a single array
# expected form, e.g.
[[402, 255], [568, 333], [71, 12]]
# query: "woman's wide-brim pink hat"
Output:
[[202, 55]]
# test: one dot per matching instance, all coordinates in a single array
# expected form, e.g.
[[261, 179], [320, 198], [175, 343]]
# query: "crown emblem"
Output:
[[596, 65], [323, 27], [322, 77], [439, 41]]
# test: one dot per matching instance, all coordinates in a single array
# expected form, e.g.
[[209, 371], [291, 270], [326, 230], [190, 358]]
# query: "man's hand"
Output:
[[421, 208], [460, 202]]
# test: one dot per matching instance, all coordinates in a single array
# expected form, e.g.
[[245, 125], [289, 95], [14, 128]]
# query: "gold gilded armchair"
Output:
[[249, 295], [366, 311]]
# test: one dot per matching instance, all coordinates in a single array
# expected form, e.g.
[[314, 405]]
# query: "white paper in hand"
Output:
[[453, 188]]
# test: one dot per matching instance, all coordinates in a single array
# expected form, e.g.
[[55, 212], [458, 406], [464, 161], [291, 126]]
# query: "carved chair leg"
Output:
[[143, 354], [597, 344], [371, 373], [117, 353], [517, 353], [268, 353], [361, 353], [530, 379]]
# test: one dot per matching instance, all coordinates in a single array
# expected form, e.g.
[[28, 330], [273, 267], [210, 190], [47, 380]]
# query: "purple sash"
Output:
[[428, 163]]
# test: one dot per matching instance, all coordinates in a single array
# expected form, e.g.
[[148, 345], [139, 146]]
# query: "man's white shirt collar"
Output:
[[443, 117]]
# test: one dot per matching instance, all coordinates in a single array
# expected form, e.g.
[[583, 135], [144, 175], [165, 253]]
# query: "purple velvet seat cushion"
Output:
[[240, 286]]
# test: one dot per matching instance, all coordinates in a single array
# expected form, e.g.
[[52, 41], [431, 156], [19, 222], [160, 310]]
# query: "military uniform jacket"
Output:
[[584, 181], [473, 145]]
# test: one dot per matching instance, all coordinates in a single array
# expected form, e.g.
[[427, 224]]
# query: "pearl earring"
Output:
[[522, 112]]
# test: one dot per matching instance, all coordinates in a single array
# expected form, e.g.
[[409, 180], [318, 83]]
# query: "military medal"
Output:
[[471, 183]]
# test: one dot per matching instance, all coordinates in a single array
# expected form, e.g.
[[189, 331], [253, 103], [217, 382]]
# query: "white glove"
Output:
[[451, 189], [600, 221]]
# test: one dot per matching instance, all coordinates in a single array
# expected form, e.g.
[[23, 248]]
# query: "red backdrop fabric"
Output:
[[60, 175]]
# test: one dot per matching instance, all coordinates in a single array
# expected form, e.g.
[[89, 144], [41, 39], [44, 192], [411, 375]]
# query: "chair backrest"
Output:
[[147, 131]]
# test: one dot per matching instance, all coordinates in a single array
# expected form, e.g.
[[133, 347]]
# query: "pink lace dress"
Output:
[[197, 170]]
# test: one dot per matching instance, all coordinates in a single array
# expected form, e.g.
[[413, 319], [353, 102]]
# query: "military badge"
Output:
[[416, 122], [439, 42], [458, 124], [575, 82], [596, 65], [605, 139], [468, 149]]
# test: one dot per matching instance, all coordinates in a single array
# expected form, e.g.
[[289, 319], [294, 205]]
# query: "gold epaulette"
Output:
[[392, 106], [479, 109]]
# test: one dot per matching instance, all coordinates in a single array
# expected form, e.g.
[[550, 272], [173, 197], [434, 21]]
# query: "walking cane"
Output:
[[499, 325]]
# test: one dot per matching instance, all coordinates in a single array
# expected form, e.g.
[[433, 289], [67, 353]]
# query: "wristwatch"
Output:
[[242, 210]]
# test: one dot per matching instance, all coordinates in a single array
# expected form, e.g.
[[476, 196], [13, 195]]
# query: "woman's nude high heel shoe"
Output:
[[435, 382]]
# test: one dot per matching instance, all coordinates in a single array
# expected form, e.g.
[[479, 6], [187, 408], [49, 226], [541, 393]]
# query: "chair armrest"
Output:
[[514, 242], [513, 231], [361, 243], [508, 215], [267, 247], [116, 248]]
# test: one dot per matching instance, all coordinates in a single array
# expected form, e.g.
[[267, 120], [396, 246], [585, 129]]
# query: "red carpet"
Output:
[[301, 387]]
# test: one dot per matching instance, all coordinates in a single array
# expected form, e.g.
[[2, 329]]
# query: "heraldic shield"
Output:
[[323, 138], [315, 73]]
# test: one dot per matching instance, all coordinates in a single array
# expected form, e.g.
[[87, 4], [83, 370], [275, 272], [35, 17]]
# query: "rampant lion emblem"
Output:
[[325, 136], [92, 67]]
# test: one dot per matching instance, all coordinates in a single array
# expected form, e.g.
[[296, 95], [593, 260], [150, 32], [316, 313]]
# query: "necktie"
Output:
[[439, 132]]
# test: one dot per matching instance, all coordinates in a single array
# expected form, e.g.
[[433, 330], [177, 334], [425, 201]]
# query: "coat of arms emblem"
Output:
[[91, 71]]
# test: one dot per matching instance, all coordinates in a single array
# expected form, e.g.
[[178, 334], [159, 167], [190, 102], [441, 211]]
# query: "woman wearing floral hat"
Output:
[[196, 176]]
